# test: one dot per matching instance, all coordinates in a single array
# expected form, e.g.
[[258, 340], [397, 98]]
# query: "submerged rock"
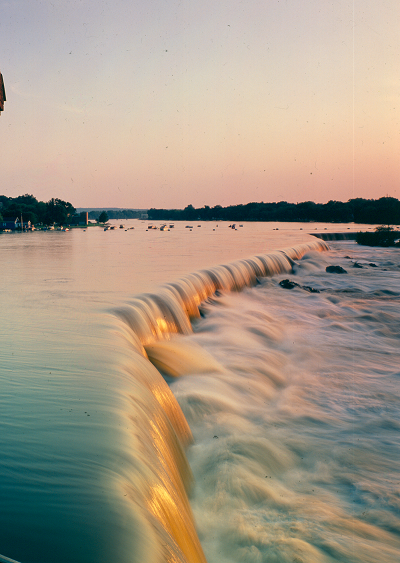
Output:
[[335, 270], [288, 284], [310, 289]]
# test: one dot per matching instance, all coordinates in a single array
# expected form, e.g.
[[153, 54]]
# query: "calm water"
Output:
[[271, 435]]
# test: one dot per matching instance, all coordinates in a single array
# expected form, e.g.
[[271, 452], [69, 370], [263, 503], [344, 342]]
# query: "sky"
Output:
[[166, 103]]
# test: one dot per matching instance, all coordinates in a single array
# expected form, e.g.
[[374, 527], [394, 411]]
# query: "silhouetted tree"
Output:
[[103, 217], [58, 211]]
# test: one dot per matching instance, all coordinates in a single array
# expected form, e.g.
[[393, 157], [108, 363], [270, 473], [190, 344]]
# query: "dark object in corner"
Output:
[[335, 270], [2, 93]]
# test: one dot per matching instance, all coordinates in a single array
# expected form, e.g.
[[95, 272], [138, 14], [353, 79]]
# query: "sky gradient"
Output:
[[165, 103]]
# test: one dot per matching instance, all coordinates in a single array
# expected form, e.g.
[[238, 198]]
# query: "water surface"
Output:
[[282, 421]]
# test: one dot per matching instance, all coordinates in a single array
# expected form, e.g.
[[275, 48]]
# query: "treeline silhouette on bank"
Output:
[[37, 212], [118, 214], [385, 210]]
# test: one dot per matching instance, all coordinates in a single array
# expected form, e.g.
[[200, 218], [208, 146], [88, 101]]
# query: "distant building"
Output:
[[2, 93], [81, 219], [11, 224]]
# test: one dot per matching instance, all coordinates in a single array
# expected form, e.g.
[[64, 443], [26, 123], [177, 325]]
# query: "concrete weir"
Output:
[[335, 236]]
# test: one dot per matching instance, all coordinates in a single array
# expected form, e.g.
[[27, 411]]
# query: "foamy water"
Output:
[[296, 442], [197, 423]]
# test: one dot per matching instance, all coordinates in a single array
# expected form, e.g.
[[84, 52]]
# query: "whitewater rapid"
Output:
[[285, 403], [148, 324]]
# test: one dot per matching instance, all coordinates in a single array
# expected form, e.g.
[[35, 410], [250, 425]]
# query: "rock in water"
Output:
[[310, 289], [287, 284], [335, 270]]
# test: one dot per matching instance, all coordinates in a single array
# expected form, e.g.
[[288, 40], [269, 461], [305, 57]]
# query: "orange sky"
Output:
[[162, 104]]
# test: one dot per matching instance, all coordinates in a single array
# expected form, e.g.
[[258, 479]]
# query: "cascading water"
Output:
[[162, 476]]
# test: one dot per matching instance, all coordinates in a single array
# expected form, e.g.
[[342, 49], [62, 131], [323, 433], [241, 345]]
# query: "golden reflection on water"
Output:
[[159, 480], [160, 432], [178, 521], [162, 325]]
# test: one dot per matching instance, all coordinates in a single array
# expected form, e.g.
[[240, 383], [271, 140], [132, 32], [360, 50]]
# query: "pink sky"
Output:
[[165, 104]]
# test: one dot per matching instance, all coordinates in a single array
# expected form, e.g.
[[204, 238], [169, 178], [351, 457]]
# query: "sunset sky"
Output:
[[165, 103]]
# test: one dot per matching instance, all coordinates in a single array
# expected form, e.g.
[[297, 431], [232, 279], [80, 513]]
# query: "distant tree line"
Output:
[[37, 212], [117, 214], [385, 210]]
